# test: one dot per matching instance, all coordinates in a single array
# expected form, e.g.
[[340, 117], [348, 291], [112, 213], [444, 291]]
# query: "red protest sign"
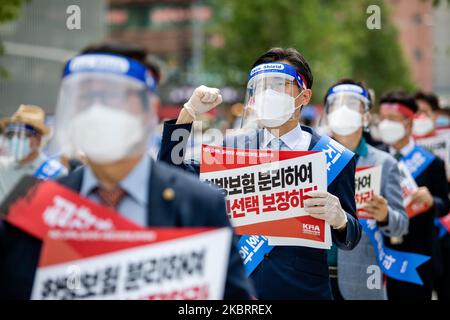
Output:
[[49, 205], [153, 264], [367, 184], [113, 257], [409, 186], [265, 190]]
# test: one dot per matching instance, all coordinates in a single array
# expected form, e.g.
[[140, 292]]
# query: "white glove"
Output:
[[202, 100], [325, 206]]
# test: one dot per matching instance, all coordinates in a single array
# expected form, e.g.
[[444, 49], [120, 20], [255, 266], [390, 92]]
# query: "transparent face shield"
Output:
[[270, 101], [346, 110], [103, 116], [352, 101], [19, 141]]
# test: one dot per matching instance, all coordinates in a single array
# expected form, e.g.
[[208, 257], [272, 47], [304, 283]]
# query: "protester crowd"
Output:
[[394, 245]]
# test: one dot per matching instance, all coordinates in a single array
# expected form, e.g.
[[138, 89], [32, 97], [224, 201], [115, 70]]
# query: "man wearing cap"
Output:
[[23, 133], [397, 110], [105, 110]]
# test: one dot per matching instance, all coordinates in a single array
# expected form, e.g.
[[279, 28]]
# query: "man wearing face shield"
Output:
[[347, 106], [397, 110], [105, 112], [21, 145], [425, 121], [431, 119], [279, 85]]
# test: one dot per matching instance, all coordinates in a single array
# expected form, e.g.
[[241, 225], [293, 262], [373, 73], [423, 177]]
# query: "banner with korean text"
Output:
[[395, 264], [265, 189], [92, 252]]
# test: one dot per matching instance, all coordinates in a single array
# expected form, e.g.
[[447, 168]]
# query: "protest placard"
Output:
[[265, 190], [439, 145], [92, 252], [395, 264], [156, 265], [409, 186], [367, 184]]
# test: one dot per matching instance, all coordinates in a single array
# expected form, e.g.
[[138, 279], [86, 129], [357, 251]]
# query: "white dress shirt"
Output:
[[405, 150], [296, 139]]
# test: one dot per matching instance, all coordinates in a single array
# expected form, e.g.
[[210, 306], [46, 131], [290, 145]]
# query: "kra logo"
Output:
[[311, 229]]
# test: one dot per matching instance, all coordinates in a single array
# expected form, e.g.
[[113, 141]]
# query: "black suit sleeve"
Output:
[[237, 285], [343, 187], [439, 187], [173, 146]]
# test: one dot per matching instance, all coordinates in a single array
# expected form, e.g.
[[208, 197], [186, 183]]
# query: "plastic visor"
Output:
[[16, 141], [265, 92], [352, 96], [81, 91]]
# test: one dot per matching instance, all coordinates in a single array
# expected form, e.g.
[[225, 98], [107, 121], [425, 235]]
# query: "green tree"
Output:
[[9, 11], [331, 34], [380, 60]]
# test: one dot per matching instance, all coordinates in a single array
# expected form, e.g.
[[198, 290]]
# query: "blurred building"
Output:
[[173, 32], [424, 37], [414, 21], [37, 45], [441, 37]]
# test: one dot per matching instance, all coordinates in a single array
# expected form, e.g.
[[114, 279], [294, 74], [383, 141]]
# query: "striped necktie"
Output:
[[275, 144]]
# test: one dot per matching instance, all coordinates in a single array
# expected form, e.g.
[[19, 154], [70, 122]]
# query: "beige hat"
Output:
[[30, 115]]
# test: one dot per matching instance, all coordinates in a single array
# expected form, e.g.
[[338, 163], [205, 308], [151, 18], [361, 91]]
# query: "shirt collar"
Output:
[[290, 139], [405, 150], [362, 150], [135, 183]]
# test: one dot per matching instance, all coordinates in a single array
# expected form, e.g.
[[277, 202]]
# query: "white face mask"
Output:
[[344, 121], [391, 131], [422, 126], [273, 108], [106, 134]]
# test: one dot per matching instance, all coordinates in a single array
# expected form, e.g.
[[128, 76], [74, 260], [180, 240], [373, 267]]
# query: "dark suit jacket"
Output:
[[422, 236], [287, 272], [194, 205]]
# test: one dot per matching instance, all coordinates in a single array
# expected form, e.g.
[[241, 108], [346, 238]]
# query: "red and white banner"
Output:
[[367, 184], [409, 186], [265, 191], [92, 252], [162, 264], [49, 205]]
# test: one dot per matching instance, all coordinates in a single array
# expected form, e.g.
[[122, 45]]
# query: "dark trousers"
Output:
[[335, 289], [399, 290], [442, 283]]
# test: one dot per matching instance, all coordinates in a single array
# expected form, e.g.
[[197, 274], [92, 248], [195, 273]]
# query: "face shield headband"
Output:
[[104, 109], [110, 64], [282, 68], [15, 127], [348, 90]]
